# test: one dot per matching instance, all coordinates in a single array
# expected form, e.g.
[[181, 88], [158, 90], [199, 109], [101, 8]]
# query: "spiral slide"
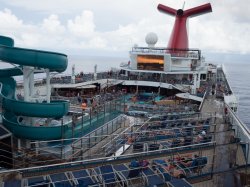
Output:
[[14, 108]]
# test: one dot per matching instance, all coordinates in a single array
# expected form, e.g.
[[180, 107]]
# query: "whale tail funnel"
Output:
[[179, 36]]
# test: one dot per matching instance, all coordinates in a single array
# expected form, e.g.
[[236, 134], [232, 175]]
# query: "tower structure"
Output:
[[179, 36]]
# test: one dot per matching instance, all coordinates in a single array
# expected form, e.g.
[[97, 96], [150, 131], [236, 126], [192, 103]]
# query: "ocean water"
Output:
[[87, 63], [239, 80], [237, 75]]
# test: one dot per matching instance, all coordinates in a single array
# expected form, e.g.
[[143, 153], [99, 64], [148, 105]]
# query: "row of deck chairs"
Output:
[[187, 171], [173, 133], [74, 178], [107, 175], [177, 138], [173, 143], [173, 116], [170, 111], [179, 123], [175, 130]]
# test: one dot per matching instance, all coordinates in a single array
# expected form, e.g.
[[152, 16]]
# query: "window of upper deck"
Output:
[[150, 62]]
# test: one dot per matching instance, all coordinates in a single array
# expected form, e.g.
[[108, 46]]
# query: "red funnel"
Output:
[[179, 36]]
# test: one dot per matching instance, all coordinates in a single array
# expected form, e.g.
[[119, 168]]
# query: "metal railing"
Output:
[[178, 53], [242, 132], [91, 139]]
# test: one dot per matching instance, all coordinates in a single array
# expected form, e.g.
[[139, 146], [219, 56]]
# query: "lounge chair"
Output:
[[188, 140], [152, 178], [83, 179], [179, 183], [11, 183], [134, 169], [199, 162], [166, 145], [164, 173], [160, 168], [175, 142], [126, 175], [122, 170], [59, 180], [153, 147], [138, 147], [38, 181], [159, 162], [186, 169], [106, 175]]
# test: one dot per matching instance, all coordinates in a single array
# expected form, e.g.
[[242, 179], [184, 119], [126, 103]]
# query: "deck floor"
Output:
[[226, 155], [223, 157]]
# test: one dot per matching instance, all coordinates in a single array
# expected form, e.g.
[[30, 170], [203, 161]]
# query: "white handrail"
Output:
[[240, 124]]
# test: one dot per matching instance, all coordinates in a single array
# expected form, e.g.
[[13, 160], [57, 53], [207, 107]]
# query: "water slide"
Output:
[[14, 108]]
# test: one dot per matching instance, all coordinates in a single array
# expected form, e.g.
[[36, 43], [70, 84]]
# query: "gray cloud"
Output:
[[89, 25]]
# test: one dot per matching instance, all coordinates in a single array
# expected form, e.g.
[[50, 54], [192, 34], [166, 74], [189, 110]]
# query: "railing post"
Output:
[[82, 124], [62, 138], [95, 137], [102, 133], [213, 159], [112, 125]]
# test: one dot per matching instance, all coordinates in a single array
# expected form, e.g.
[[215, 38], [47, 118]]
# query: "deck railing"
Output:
[[178, 53], [242, 132]]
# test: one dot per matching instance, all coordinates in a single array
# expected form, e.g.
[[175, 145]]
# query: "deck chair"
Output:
[[122, 168], [138, 147], [166, 145], [186, 169], [159, 162], [107, 175], [83, 179], [38, 181], [159, 166], [153, 147], [199, 162], [134, 169], [164, 173], [124, 174], [179, 183], [152, 178], [11, 183], [60, 179]]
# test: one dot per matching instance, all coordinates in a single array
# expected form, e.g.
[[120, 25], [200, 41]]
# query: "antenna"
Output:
[[183, 5]]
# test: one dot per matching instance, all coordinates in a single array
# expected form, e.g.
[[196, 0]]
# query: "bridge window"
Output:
[[150, 62]]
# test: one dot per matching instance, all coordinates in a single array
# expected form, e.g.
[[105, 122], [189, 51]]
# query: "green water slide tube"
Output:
[[33, 132], [54, 109], [28, 57], [38, 59]]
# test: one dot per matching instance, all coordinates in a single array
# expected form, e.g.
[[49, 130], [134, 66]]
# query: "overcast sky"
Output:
[[113, 26]]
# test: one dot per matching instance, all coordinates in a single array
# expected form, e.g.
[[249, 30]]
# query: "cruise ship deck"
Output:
[[164, 150], [166, 118]]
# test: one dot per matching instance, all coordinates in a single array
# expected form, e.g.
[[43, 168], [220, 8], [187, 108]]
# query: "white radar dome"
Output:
[[151, 39]]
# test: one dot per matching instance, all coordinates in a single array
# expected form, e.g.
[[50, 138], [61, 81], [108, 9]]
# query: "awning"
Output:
[[75, 86], [86, 86], [189, 96]]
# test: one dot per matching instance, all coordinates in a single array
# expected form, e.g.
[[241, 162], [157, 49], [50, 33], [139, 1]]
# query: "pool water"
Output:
[[143, 98]]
